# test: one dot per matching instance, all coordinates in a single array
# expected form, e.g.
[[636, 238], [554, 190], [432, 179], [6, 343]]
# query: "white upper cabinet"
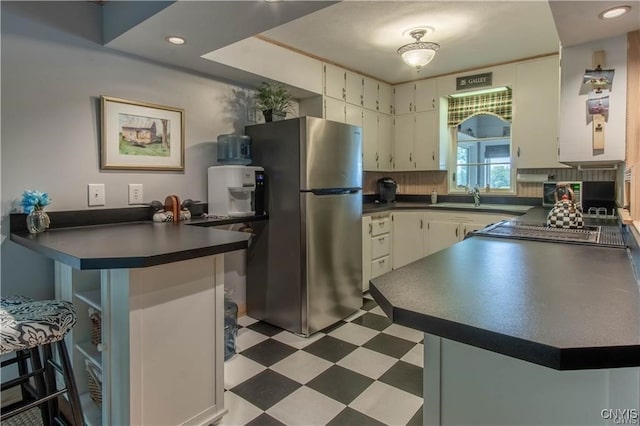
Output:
[[425, 95], [353, 115], [425, 145], [385, 98], [404, 98], [334, 82], [403, 136], [353, 88], [385, 142], [370, 154], [370, 94], [334, 109], [534, 132]]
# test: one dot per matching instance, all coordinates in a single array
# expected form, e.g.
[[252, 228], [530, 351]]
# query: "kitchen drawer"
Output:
[[380, 266], [380, 226], [380, 246]]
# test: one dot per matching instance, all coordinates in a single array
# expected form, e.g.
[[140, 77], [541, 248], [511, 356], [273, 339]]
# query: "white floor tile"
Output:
[[301, 366], [297, 342], [238, 369], [367, 362], [404, 333], [354, 333], [240, 411], [305, 407], [355, 315], [247, 338], [415, 356], [246, 321], [387, 404], [378, 311]]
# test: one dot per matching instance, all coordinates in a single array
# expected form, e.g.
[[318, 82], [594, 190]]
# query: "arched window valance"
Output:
[[496, 103]]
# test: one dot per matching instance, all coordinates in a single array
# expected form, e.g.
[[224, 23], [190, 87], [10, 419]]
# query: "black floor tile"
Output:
[[416, 420], [268, 352], [368, 304], [333, 327], [341, 384], [330, 348], [376, 322], [404, 376], [389, 345], [266, 389], [264, 328], [264, 420], [351, 417]]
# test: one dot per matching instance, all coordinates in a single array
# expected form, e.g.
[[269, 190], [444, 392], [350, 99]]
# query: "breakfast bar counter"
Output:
[[159, 289], [502, 317]]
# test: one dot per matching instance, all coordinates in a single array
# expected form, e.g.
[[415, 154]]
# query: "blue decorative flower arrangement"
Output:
[[34, 200]]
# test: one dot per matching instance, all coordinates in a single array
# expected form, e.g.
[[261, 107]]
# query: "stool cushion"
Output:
[[7, 301], [30, 324]]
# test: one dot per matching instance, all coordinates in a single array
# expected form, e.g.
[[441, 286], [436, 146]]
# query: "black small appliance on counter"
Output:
[[387, 190]]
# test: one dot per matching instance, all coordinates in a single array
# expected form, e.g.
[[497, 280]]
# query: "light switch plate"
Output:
[[96, 194], [135, 193]]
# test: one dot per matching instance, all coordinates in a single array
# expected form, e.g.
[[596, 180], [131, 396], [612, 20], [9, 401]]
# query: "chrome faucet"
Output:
[[476, 195]]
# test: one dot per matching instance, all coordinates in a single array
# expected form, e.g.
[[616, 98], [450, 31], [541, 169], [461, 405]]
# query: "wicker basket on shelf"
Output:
[[94, 381], [96, 327]]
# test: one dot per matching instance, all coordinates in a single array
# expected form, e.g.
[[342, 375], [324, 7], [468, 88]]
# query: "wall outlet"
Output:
[[135, 193], [96, 194]]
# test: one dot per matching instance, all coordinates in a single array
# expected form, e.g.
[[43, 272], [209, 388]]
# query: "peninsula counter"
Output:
[[160, 290]]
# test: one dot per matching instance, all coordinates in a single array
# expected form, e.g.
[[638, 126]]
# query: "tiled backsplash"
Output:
[[422, 183]]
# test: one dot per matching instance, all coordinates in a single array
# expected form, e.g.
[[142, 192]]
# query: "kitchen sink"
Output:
[[471, 206]]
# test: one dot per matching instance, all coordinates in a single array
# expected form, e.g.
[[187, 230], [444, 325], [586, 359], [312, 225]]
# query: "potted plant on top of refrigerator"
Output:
[[274, 100]]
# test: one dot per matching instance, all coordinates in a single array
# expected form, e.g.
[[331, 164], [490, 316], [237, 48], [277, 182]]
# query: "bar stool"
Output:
[[29, 327]]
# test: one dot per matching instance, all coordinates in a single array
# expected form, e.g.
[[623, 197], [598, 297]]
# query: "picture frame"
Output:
[[141, 136]]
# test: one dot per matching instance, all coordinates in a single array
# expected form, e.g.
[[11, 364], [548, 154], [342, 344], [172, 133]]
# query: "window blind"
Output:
[[464, 107]]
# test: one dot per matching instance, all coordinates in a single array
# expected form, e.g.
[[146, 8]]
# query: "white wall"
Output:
[[54, 70]]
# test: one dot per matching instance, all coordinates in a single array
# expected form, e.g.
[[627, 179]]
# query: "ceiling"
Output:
[[364, 35]]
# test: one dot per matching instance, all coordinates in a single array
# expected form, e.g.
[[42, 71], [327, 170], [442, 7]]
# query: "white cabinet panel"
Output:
[[425, 95], [426, 141], [404, 131], [441, 234], [334, 109], [366, 252], [385, 142], [534, 132], [353, 88], [380, 226], [380, 266], [404, 98], [408, 237], [380, 246], [370, 94], [370, 154], [353, 115], [334, 81], [385, 104]]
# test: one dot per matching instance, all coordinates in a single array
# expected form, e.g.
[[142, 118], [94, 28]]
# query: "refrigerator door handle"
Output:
[[334, 191]]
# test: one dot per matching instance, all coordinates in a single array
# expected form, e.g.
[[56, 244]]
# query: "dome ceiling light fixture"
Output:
[[614, 12], [419, 53]]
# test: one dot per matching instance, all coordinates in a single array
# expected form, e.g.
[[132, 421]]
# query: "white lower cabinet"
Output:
[[417, 234], [376, 247]]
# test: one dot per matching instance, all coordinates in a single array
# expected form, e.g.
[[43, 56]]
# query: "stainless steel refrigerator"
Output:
[[304, 264]]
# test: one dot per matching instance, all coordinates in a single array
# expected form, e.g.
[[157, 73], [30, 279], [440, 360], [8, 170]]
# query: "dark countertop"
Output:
[[563, 306], [130, 245]]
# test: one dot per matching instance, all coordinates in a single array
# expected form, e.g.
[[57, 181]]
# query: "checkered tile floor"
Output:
[[362, 371]]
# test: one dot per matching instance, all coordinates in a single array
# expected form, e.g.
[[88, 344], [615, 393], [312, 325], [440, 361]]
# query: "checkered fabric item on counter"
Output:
[[565, 214]]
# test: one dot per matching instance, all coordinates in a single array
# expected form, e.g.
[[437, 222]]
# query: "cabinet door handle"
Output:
[[381, 239], [456, 232], [421, 224], [410, 106], [433, 103], [381, 261], [377, 156], [381, 224], [410, 158], [344, 93], [518, 152], [428, 225], [370, 228], [433, 156]]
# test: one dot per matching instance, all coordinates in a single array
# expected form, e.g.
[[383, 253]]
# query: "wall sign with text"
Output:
[[473, 81]]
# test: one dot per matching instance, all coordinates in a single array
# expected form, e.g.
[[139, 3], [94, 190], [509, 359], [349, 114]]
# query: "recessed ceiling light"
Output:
[[614, 12], [176, 40]]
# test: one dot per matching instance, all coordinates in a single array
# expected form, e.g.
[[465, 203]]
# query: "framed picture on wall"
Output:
[[141, 136]]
